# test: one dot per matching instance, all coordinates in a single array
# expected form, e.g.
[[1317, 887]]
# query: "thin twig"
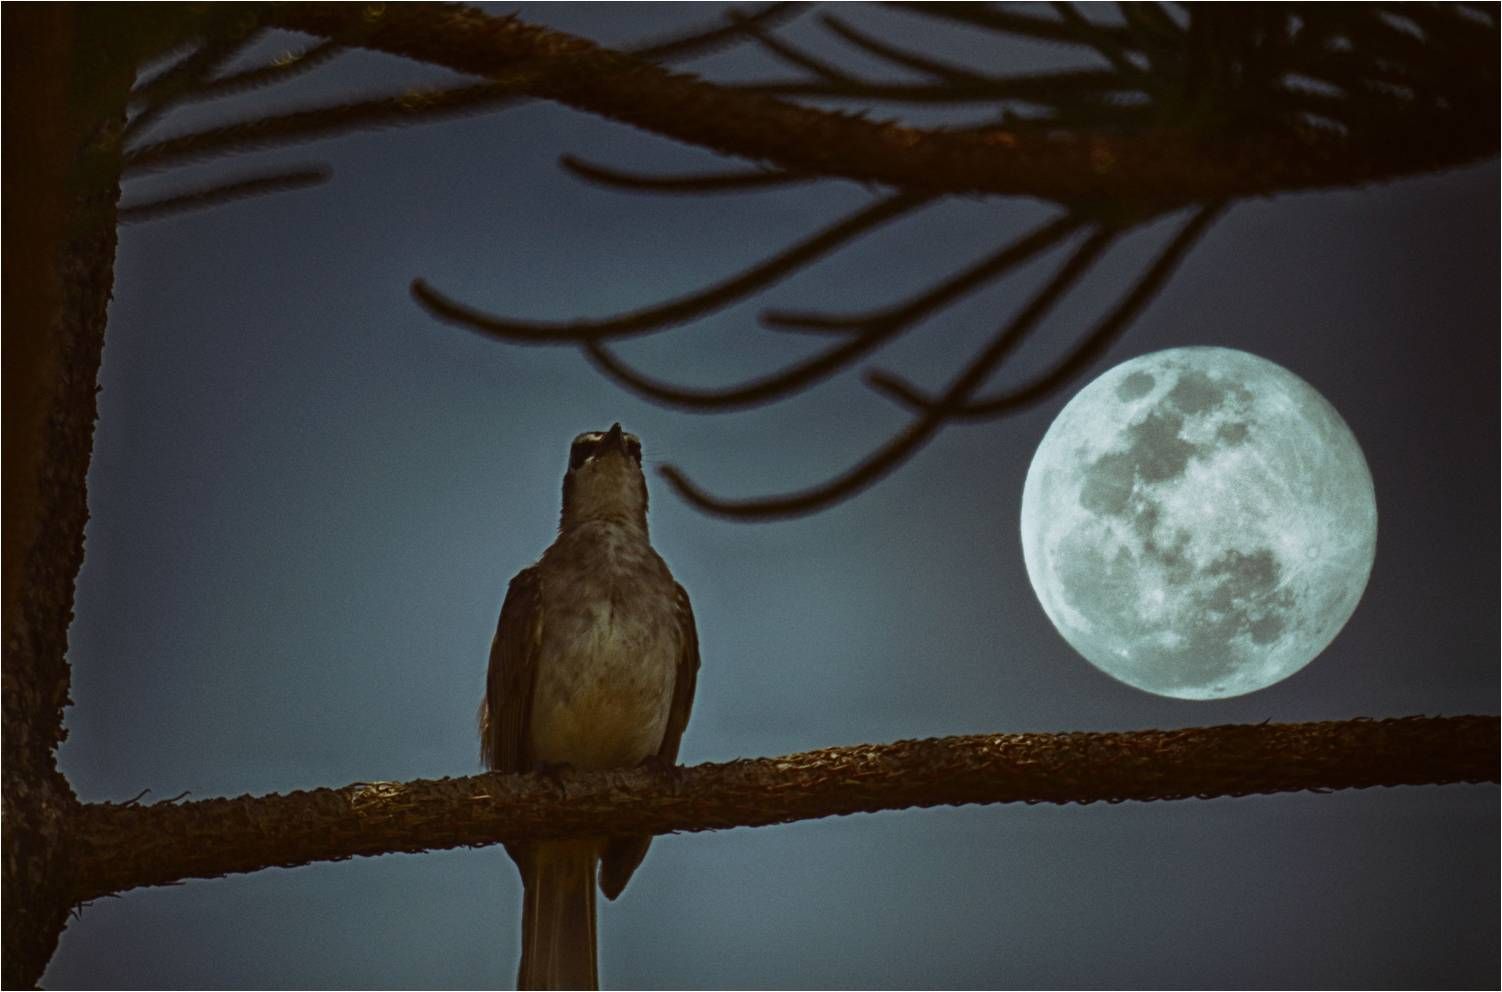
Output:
[[172, 86], [901, 315], [791, 54], [278, 70], [212, 196], [696, 183], [418, 106], [1163, 166], [907, 442], [940, 70], [414, 107], [875, 330], [683, 308], [1046, 87], [1104, 334], [989, 18], [702, 41]]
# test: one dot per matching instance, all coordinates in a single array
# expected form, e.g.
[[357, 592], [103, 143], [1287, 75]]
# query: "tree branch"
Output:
[[910, 439], [1160, 167], [1106, 331], [679, 309], [417, 106], [874, 330], [60, 190], [219, 193], [124, 846]]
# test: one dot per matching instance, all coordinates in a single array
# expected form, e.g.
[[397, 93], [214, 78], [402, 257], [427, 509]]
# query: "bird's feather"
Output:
[[504, 737]]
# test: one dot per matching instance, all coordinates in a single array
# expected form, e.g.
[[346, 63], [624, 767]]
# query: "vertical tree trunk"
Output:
[[59, 248]]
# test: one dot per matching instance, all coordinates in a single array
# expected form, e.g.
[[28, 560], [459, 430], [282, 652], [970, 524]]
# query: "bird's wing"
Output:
[[687, 679], [504, 737]]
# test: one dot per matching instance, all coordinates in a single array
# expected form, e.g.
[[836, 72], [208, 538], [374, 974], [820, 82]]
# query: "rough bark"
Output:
[[66, 70], [1162, 168], [123, 846], [59, 263]]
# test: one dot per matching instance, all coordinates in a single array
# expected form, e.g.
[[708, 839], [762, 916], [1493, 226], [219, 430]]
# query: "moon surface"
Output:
[[1199, 523]]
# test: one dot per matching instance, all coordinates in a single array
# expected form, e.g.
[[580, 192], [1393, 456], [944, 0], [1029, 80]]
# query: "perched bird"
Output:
[[593, 666]]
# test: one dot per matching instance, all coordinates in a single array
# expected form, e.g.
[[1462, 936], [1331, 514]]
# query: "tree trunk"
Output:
[[58, 267]]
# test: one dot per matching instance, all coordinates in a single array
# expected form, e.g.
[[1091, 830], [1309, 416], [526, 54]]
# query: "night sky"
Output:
[[307, 497]]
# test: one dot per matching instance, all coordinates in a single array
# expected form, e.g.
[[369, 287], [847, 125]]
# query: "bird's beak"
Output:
[[614, 441]]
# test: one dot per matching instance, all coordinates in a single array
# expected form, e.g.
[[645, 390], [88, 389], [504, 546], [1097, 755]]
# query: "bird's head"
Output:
[[604, 479]]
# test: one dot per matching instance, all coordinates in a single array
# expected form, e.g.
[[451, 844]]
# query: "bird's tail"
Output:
[[558, 916]]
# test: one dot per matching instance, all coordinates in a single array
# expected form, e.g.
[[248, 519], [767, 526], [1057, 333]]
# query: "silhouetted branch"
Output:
[[413, 107], [874, 330], [172, 86], [707, 182], [418, 106], [899, 316], [945, 71], [990, 18], [1158, 167], [685, 307], [1205, 110], [211, 196], [1049, 86], [1105, 333], [791, 54], [914, 436], [122, 846], [702, 41], [1113, 46], [1150, 23], [278, 70]]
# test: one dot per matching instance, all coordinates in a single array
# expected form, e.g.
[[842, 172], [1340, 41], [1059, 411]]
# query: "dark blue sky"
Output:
[[307, 497]]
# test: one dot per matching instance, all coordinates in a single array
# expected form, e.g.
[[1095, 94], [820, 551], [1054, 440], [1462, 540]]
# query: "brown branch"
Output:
[[417, 106], [693, 183], [124, 846], [908, 441], [64, 95], [936, 68], [702, 41], [278, 70], [1110, 327], [1158, 167], [1041, 87], [990, 18], [173, 86], [874, 330], [792, 54], [211, 196], [683, 308]]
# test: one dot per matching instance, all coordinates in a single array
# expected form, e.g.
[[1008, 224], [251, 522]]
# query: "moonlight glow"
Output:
[[1199, 523]]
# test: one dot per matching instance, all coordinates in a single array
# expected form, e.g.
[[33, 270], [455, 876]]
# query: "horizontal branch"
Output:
[[220, 193], [1153, 166], [118, 847]]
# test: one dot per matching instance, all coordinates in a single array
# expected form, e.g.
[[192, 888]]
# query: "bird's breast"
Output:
[[608, 659]]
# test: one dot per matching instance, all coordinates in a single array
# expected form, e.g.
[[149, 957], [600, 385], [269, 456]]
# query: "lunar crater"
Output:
[[1198, 522]]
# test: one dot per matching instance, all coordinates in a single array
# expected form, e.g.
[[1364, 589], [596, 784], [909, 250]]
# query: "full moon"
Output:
[[1199, 523]]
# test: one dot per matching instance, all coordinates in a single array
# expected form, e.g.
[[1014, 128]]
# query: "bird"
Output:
[[593, 666]]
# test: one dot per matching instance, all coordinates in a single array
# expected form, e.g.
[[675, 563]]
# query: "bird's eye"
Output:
[[580, 452], [633, 448]]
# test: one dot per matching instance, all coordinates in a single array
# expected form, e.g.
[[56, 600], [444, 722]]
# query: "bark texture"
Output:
[[67, 69], [1162, 168], [123, 846], [59, 264]]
